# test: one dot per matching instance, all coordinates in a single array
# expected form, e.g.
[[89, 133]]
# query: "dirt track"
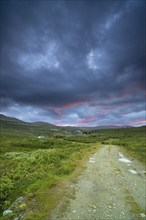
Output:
[[112, 187]]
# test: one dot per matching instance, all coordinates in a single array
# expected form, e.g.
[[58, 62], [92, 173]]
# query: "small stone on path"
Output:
[[7, 212], [142, 215]]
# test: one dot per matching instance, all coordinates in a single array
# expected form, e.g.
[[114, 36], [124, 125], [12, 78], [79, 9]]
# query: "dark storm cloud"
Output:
[[61, 57]]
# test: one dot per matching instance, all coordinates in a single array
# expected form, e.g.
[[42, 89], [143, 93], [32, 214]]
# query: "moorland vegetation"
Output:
[[34, 168]]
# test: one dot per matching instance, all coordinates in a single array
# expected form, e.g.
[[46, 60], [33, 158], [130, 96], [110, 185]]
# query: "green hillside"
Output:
[[36, 159], [14, 128]]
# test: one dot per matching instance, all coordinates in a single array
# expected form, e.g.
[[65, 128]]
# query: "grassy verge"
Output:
[[134, 206], [34, 169], [60, 193], [132, 140]]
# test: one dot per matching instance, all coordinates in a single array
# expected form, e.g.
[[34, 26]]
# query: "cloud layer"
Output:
[[74, 62]]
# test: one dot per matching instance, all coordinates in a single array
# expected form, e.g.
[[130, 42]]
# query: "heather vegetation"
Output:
[[35, 165], [31, 167]]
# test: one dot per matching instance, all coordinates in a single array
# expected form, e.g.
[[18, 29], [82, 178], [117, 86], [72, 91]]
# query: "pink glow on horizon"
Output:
[[137, 122], [87, 120], [58, 110], [105, 111], [73, 104], [65, 124], [114, 105], [72, 124]]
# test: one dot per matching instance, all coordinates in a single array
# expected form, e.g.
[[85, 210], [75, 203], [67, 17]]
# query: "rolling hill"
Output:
[[14, 127], [18, 128]]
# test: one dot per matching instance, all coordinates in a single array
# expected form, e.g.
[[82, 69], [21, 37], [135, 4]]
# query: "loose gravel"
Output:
[[112, 187]]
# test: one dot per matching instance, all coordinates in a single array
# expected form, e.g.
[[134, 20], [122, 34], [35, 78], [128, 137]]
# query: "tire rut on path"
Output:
[[111, 187]]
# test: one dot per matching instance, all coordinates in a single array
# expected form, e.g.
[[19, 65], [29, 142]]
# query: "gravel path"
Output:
[[112, 187]]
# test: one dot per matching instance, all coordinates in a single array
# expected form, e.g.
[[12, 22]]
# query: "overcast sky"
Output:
[[78, 63]]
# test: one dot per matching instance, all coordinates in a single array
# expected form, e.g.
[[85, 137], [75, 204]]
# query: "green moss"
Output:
[[22, 207]]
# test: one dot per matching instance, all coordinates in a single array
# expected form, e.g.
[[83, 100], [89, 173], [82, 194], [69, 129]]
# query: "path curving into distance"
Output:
[[112, 187]]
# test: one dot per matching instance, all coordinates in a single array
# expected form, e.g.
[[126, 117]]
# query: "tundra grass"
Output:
[[36, 166], [132, 140], [38, 169]]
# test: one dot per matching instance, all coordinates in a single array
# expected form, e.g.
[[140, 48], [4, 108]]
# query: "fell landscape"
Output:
[[38, 163], [72, 110]]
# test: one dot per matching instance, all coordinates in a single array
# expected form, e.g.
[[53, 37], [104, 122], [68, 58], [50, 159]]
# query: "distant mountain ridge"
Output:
[[15, 120], [40, 123], [113, 126], [7, 118], [101, 127]]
